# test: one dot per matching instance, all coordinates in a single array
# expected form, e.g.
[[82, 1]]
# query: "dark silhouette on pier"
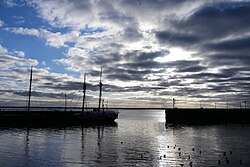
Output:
[[207, 115]]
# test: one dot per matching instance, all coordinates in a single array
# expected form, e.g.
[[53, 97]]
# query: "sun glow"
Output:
[[176, 54]]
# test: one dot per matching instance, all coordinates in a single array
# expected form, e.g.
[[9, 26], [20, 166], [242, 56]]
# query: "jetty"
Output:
[[206, 115]]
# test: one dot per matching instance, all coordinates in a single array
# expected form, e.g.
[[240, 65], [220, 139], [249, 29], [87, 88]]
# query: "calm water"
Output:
[[140, 138]]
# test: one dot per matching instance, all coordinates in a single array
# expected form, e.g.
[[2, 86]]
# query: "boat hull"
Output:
[[50, 118]]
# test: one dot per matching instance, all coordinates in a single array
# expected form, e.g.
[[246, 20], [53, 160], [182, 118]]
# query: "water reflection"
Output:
[[211, 145], [55, 146], [26, 148], [139, 138]]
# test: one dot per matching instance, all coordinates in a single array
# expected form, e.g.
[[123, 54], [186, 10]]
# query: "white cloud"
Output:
[[10, 3], [56, 39], [8, 61], [19, 19], [1, 23], [59, 13], [3, 50], [14, 59], [24, 31], [112, 15], [19, 53], [44, 63]]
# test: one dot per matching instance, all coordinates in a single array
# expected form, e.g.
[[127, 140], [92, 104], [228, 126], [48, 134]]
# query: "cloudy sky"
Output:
[[151, 51]]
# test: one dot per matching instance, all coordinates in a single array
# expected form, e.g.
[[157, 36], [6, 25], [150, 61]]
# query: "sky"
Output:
[[151, 51]]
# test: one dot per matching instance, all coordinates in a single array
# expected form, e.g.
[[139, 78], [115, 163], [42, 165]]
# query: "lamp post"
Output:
[[174, 103]]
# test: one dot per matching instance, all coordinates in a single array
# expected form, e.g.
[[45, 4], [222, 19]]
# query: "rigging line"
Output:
[[6, 102], [61, 101], [71, 102], [39, 102], [79, 90], [37, 98], [77, 101]]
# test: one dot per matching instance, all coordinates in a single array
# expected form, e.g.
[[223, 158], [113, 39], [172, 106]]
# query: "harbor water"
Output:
[[138, 138]]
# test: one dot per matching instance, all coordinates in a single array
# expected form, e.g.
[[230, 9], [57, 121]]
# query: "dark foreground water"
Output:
[[140, 138]]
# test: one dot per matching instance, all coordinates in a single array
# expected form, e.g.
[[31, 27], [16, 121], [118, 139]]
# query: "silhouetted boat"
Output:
[[57, 116]]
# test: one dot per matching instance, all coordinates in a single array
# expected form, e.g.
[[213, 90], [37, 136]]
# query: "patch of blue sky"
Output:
[[69, 44], [34, 48], [93, 50], [16, 17]]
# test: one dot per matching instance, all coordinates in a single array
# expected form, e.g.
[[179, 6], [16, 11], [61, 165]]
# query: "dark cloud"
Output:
[[128, 73], [142, 56], [191, 69], [182, 66], [132, 34], [115, 15], [167, 84], [209, 75], [220, 59], [103, 60], [152, 4], [69, 86], [217, 32], [217, 20], [142, 65], [136, 65], [142, 61], [177, 39], [234, 45], [210, 23], [40, 94]]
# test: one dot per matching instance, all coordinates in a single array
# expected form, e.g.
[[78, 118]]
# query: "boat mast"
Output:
[[100, 95], [30, 88], [84, 92]]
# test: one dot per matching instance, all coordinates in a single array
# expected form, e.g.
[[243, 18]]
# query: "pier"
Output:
[[208, 115]]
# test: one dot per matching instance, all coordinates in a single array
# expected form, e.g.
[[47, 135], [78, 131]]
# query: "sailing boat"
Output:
[[99, 114], [53, 116]]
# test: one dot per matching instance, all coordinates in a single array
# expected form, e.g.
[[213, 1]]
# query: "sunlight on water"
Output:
[[140, 138]]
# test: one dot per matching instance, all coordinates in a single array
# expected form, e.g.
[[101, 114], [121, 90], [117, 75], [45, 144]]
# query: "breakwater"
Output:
[[202, 115]]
